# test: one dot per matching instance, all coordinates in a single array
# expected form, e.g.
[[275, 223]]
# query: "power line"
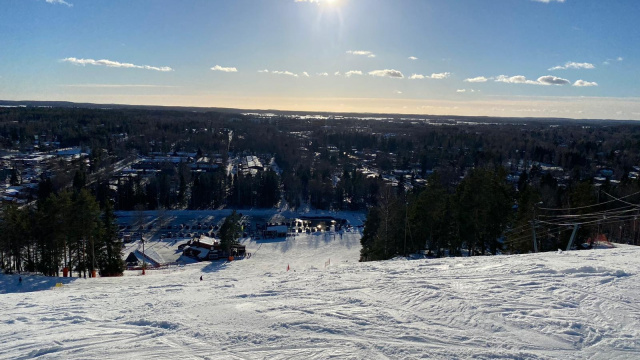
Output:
[[519, 227], [589, 217], [602, 212], [601, 221], [543, 231], [588, 206], [620, 199]]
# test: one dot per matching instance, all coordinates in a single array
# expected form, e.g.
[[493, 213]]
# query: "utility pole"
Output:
[[84, 257], [93, 258], [620, 233], [144, 258], [635, 234], [238, 182], [573, 237], [406, 213], [533, 227]]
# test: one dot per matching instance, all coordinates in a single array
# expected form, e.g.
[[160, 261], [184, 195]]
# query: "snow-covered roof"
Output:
[[152, 256], [202, 252], [206, 240]]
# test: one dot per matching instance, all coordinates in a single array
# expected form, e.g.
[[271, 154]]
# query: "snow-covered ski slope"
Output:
[[568, 305]]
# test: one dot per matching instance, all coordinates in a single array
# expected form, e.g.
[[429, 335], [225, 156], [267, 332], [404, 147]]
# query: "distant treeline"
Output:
[[319, 158]]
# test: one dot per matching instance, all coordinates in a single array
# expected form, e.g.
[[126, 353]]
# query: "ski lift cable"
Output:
[[542, 231], [592, 216], [587, 206], [606, 221], [620, 199], [597, 213], [517, 228], [601, 221], [600, 217]]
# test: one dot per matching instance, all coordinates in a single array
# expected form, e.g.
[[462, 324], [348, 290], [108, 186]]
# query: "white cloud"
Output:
[[542, 1], [224, 69], [337, 73], [62, 2], [608, 61], [436, 76], [552, 80], [479, 79], [573, 65], [288, 73], [117, 86], [543, 80], [413, 58], [439, 76], [518, 79], [116, 64], [397, 92], [387, 73], [352, 72], [461, 90], [582, 83], [306, 74], [362, 53], [323, 74], [276, 72]]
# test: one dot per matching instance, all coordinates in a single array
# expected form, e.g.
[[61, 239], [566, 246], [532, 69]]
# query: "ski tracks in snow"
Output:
[[574, 305]]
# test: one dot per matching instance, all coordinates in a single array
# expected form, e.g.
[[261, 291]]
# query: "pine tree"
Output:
[[229, 231], [371, 225], [428, 215], [110, 260], [86, 216]]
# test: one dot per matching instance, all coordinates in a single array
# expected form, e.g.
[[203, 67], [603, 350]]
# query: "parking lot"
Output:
[[154, 226]]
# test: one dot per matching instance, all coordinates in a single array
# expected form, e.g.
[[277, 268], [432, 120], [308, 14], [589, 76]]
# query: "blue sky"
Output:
[[552, 58]]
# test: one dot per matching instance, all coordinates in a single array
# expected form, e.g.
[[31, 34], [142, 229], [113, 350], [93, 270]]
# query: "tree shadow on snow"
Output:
[[30, 283], [269, 241], [215, 265]]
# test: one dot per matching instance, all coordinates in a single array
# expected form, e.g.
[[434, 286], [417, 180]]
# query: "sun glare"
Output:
[[329, 2]]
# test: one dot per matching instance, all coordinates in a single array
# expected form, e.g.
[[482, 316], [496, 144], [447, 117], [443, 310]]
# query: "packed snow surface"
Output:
[[565, 305]]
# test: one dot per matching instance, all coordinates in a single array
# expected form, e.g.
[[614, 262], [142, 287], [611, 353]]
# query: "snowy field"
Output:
[[569, 305]]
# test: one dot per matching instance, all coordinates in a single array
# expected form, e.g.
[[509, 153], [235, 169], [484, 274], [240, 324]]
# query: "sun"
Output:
[[329, 2]]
